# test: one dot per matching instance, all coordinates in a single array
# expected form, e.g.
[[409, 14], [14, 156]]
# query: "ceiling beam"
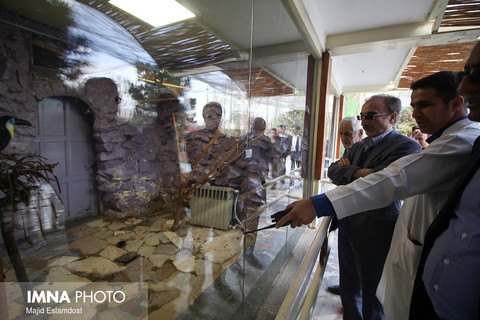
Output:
[[395, 37], [368, 88], [283, 51], [409, 56], [437, 12], [278, 53], [366, 40], [278, 77], [198, 70], [300, 17]]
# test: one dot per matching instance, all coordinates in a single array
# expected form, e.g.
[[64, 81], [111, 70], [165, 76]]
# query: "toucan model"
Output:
[[7, 123]]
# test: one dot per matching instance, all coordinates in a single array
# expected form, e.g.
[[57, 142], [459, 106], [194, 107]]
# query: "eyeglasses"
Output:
[[473, 72], [370, 115]]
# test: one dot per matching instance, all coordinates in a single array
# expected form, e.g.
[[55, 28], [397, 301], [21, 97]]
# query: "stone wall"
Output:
[[137, 166]]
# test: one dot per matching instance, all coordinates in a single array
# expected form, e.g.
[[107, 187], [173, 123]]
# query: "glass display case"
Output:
[[168, 143]]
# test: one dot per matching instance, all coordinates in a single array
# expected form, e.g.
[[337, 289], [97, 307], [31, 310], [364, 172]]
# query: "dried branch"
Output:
[[189, 147], [202, 154], [219, 163], [20, 176]]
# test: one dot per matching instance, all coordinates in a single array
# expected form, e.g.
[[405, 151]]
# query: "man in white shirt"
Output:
[[447, 285], [364, 239], [424, 180]]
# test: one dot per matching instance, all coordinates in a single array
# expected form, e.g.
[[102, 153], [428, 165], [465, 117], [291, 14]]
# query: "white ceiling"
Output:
[[232, 20], [371, 69], [370, 41], [341, 16], [368, 68]]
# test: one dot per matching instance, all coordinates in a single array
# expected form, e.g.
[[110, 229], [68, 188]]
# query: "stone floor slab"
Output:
[[88, 245], [98, 266], [112, 252]]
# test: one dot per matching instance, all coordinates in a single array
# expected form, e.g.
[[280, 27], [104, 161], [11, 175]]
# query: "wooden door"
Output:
[[65, 136]]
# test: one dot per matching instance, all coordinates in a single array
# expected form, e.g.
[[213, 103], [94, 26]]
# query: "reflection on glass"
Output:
[[145, 101]]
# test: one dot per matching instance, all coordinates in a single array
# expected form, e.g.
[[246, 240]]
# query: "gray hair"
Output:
[[394, 104], [354, 122]]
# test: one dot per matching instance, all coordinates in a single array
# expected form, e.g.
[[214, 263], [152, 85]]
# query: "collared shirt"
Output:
[[437, 134], [451, 274], [372, 142], [294, 143], [322, 204], [424, 180]]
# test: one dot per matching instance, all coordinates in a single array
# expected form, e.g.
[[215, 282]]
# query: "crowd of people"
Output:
[[285, 147], [252, 159], [430, 267]]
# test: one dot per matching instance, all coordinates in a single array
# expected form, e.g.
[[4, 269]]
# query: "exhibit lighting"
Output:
[[155, 12]]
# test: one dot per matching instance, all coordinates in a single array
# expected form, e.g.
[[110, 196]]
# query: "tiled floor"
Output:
[[193, 273], [178, 266]]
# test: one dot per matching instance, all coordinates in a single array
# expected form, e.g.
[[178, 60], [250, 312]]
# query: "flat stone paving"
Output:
[[178, 266], [192, 272]]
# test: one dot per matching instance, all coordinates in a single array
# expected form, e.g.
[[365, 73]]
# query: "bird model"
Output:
[[7, 124]]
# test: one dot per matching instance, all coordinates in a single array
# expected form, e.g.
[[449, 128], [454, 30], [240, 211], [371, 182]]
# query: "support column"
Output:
[[340, 117], [322, 115]]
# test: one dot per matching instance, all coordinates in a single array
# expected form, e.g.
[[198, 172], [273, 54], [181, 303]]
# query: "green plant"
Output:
[[405, 122]]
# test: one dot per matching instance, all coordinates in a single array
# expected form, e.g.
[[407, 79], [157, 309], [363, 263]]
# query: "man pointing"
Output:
[[424, 180]]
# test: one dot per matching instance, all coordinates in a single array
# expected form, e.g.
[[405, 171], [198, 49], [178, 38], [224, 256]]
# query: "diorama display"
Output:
[[121, 169]]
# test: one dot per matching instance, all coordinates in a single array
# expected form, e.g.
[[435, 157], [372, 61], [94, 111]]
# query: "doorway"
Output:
[[65, 137]]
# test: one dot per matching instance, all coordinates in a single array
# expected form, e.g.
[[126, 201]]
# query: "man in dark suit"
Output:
[[350, 132], [447, 284], [364, 239], [296, 148], [285, 145]]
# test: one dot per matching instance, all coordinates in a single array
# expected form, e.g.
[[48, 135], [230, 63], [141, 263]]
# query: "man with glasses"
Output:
[[447, 285], [350, 132], [364, 239], [424, 180]]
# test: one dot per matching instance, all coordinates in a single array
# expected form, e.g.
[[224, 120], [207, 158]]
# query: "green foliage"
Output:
[[147, 93], [291, 118], [405, 122], [352, 105]]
